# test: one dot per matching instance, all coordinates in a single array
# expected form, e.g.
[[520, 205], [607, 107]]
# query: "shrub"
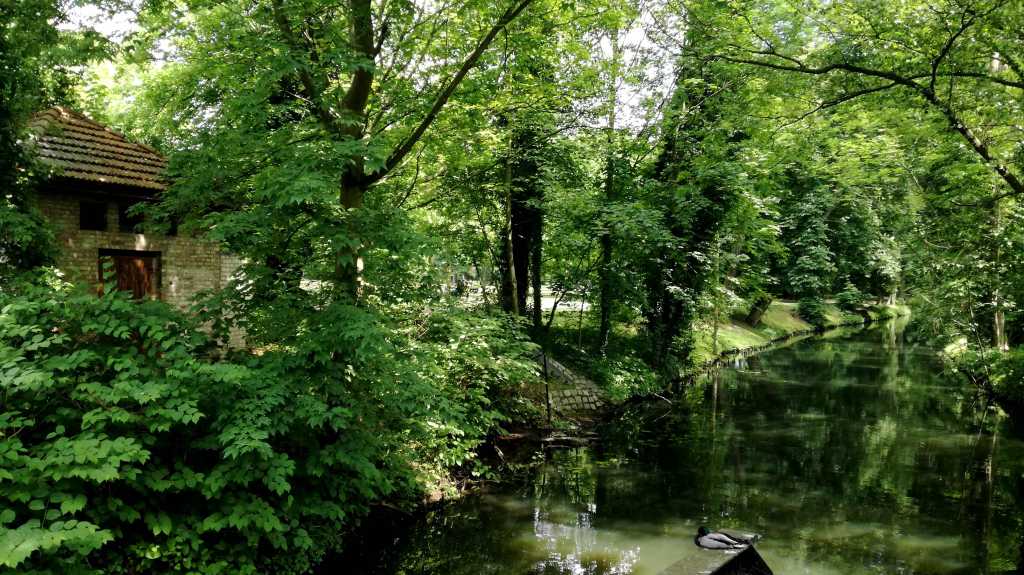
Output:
[[624, 377], [1000, 374], [812, 310], [851, 298], [101, 398], [128, 441], [483, 368], [1008, 379]]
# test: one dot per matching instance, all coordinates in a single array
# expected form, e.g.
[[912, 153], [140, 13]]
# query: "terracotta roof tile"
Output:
[[87, 150]]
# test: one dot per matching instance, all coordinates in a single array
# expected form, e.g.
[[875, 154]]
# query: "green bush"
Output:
[[625, 376], [130, 446], [851, 298], [484, 367], [812, 310], [1008, 379], [1001, 374]]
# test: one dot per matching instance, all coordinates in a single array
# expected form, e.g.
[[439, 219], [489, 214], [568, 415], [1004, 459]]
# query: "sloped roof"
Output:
[[83, 149]]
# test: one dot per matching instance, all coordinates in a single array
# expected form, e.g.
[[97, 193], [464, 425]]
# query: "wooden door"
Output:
[[135, 272]]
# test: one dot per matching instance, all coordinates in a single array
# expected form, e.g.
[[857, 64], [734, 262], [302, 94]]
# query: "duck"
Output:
[[707, 539]]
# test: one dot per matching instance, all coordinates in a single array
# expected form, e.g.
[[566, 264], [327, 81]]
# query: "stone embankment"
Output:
[[572, 394]]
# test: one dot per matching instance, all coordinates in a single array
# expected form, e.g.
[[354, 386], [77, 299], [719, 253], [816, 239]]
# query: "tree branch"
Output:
[[415, 180], [965, 23], [802, 68], [309, 84], [955, 122], [410, 141], [982, 76], [979, 146], [839, 100], [361, 38], [821, 70]]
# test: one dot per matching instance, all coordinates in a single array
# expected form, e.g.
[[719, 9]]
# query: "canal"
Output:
[[851, 454]]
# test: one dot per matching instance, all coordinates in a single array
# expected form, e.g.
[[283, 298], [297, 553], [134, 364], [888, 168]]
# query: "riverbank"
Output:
[[810, 445], [513, 454], [780, 323], [622, 375]]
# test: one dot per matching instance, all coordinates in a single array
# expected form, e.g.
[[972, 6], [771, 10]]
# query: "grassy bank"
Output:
[[781, 321], [623, 374]]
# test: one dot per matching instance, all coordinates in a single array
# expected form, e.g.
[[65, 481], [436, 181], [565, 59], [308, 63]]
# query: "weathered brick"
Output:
[[188, 265]]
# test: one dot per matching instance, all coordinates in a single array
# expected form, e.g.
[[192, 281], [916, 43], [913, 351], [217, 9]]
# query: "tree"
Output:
[[38, 64], [337, 103], [695, 182], [606, 284], [954, 58]]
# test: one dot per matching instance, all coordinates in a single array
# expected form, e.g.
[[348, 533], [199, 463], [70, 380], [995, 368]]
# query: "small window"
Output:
[[92, 216], [128, 221]]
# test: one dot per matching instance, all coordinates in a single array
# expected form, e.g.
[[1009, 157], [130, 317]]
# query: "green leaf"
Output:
[[74, 504]]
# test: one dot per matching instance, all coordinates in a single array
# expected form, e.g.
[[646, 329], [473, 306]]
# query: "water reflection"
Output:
[[851, 454]]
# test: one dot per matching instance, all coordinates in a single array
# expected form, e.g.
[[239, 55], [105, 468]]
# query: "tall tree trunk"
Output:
[[522, 238], [669, 323], [523, 184], [526, 217], [348, 266], [717, 299], [605, 270], [1000, 340], [536, 264], [506, 263], [506, 268], [579, 322]]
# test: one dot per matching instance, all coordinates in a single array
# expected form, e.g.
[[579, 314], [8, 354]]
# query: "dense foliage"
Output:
[[123, 429], [37, 63], [426, 195]]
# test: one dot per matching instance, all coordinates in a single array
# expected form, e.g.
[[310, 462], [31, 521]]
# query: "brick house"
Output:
[[99, 175]]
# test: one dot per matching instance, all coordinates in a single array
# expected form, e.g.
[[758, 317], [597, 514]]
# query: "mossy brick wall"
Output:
[[188, 265]]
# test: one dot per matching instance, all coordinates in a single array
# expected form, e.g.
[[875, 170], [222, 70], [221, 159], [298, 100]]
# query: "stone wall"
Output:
[[187, 264]]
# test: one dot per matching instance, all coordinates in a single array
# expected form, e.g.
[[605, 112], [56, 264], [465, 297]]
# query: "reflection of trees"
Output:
[[1020, 526], [849, 433], [852, 452], [566, 495], [570, 476]]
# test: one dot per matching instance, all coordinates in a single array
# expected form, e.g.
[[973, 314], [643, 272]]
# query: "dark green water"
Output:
[[850, 454]]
